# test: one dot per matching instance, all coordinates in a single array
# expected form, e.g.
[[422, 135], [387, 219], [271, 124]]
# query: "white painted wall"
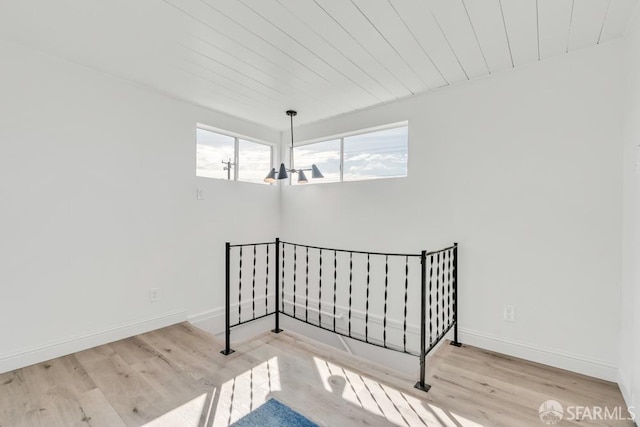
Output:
[[523, 169], [98, 190], [629, 371]]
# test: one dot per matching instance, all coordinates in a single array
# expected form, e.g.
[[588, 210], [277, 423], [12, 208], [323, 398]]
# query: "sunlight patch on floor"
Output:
[[246, 392], [186, 415], [399, 408]]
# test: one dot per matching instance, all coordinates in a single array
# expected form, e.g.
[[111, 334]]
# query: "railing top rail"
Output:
[[251, 244], [350, 251], [442, 250], [344, 250]]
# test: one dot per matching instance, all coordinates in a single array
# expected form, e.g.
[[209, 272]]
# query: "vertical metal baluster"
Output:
[[421, 385], [437, 294], [335, 287], [266, 286], [455, 296], [227, 300], [442, 300], [406, 300], [320, 292], [449, 280], [282, 283], [253, 283], [350, 286], [386, 286], [240, 288], [277, 329], [366, 309], [431, 268], [295, 267], [306, 287]]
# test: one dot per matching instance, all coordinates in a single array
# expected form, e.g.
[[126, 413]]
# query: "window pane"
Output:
[[212, 149], [375, 155], [254, 161], [325, 155]]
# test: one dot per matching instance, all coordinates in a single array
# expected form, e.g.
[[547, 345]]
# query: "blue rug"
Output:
[[274, 414]]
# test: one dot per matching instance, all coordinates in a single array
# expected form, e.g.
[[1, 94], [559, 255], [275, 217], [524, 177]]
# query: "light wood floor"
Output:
[[176, 377]]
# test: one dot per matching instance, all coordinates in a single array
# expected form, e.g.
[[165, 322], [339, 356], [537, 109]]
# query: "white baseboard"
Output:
[[30, 356], [211, 321], [547, 356], [627, 393]]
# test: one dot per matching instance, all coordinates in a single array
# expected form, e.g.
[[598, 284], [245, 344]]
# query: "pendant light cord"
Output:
[[291, 117]]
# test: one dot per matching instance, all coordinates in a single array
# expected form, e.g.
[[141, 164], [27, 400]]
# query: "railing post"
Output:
[[227, 301], [455, 296], [421, 385], [277, 329]]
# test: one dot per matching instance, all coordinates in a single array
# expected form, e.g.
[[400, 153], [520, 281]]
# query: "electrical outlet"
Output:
[[154, 295], [509, 314]]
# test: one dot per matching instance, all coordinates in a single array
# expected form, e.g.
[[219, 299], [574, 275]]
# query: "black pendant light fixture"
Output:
[[283, 172]]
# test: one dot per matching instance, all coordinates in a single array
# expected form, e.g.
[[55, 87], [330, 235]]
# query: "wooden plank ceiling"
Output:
[[257, 58]]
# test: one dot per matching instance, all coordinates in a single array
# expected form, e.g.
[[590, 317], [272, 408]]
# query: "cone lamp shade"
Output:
[[282, 173], [271, 177], [315, 172], [302, 178]]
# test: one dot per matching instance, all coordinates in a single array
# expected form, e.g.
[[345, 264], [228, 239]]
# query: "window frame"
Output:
[[342, 136], [236, 150]]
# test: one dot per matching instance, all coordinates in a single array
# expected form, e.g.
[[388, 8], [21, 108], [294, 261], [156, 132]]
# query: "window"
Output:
[[253, 160], [230, 157], [325, 155], [358, 156], [213, 149], [374, 155]]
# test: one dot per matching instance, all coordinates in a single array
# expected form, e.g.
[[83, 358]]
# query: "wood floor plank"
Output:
[[22, 402], [98, 411], [130, 395], [133, 350], [64, 376], [198, 366], [177, 390]]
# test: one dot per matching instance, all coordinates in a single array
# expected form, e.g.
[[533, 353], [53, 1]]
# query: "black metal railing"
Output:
[[402, 302]]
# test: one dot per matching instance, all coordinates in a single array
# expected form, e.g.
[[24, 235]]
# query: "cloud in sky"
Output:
[[381, 154], [325, 155]]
